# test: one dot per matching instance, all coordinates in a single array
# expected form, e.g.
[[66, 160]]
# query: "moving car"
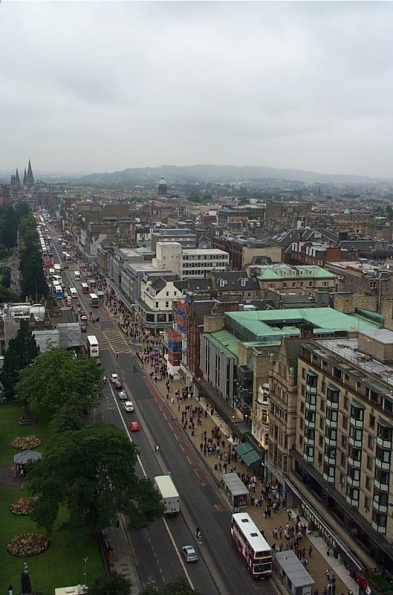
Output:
[[123, 395], [118, 385], [134, 426], [128, 406], [114, 377], [189, 553], [83, 328]]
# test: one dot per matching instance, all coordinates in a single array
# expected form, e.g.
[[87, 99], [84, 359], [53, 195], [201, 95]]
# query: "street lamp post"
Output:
[[85, 561]]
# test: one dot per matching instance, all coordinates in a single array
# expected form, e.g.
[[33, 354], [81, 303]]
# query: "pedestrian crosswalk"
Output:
[[112, 339]]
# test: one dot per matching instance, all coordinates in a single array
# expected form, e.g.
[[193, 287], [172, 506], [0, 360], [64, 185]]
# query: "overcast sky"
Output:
[[102, 86]]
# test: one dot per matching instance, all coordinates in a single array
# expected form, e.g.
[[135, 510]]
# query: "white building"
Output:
[[189, 262]]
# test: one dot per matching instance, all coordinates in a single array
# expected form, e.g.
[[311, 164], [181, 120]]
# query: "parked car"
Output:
[[189, 553], [123, 395], [128, 406], [83, 328], [134, 426]]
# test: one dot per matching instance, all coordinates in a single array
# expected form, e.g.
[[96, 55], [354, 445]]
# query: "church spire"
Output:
[[29, 177]]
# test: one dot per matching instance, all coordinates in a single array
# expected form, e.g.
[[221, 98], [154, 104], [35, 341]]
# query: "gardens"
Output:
[[57, 565]]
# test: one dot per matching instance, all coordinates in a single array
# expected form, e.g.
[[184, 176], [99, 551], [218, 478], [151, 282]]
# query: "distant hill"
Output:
[[214, 174]]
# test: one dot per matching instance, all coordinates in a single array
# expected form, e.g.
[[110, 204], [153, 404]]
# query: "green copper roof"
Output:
[[225, 341], [271, 325]]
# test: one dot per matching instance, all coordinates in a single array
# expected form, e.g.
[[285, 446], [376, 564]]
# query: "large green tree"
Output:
[[22, 351], [60, 379], [91, 472], [110, 584], [9, 228]]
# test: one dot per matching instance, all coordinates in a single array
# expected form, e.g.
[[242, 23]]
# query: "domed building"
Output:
[[162, 187]]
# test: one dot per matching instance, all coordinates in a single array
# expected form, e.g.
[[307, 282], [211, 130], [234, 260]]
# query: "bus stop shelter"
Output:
[[235, 490], [292, 574]]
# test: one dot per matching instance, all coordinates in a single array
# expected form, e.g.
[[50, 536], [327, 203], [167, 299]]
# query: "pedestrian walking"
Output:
[[309, 550]]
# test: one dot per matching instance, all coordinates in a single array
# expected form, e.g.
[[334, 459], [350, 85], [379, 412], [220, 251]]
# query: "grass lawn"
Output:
[[62, 564]]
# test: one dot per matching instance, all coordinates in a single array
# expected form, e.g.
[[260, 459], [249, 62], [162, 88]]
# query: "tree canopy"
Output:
[[58, 378], [110, 584], [91, 472], [22, 350]]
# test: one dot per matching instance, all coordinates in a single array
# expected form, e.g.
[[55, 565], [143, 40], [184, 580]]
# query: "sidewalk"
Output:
[[320, 560]]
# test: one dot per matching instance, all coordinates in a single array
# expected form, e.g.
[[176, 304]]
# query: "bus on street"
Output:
[[85, 288], [251, 545], [93, 349], [94, 300]]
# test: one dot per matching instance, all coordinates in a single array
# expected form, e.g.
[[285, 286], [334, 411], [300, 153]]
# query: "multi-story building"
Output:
[[155, 302], [195, 263], [331, 441], [184, 237], [276, 281]]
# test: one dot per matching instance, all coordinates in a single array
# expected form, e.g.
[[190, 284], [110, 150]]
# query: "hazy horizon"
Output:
[[94, 87]]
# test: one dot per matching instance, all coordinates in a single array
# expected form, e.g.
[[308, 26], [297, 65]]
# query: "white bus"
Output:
[[73, 293], [77, 276], [94, 300], [169, 495], [93, 349], [251, 545]]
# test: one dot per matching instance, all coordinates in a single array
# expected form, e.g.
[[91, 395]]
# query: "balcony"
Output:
[[330, 441], [356, 423], [382, 465], [310, 406], [329, 478], [351, 501], [383, 443], [355, 483], [308, 459], [383, 487], [330, 423], [309, 424], [380, 507], [354, 462], [331, 404], [330, 459], [311, 389], [355, 443], [378, 528], [309, 441]]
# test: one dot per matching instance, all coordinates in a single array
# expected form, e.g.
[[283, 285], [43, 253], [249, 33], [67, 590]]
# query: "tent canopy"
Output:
[[27, 455]]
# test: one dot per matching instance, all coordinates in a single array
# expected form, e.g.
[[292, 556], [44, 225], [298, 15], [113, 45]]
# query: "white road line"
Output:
[[178, 555]]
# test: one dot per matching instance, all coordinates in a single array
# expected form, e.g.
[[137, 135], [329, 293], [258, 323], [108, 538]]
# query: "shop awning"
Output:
[[248, 454], [251, 458], [243, 448]]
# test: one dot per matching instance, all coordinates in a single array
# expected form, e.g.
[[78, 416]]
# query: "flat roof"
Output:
[[294, 569], [260, 324]]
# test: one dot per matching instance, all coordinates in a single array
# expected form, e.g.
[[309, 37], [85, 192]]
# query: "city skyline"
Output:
[[104, 86]]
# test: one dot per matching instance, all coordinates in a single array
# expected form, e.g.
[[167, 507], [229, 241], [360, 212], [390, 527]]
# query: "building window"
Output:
[[369, 483], [344, 441], [369, 462], [370, 442], [371, 421], [346, 403], [345, 422], [367, 503]]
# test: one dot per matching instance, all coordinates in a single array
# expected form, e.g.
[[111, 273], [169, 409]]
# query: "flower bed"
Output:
[[29, 544], [26, 442], [22, 506]]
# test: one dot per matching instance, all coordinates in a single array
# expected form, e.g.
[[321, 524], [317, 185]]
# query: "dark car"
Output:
[[83, 328]]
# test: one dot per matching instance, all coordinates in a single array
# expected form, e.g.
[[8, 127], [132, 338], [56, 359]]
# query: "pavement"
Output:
[[320, 559]]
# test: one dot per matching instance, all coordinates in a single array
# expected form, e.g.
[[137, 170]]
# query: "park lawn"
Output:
[[10, 429], [61, 565]]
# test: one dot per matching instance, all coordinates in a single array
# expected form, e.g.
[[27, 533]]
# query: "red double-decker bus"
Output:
[[251, 545]]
